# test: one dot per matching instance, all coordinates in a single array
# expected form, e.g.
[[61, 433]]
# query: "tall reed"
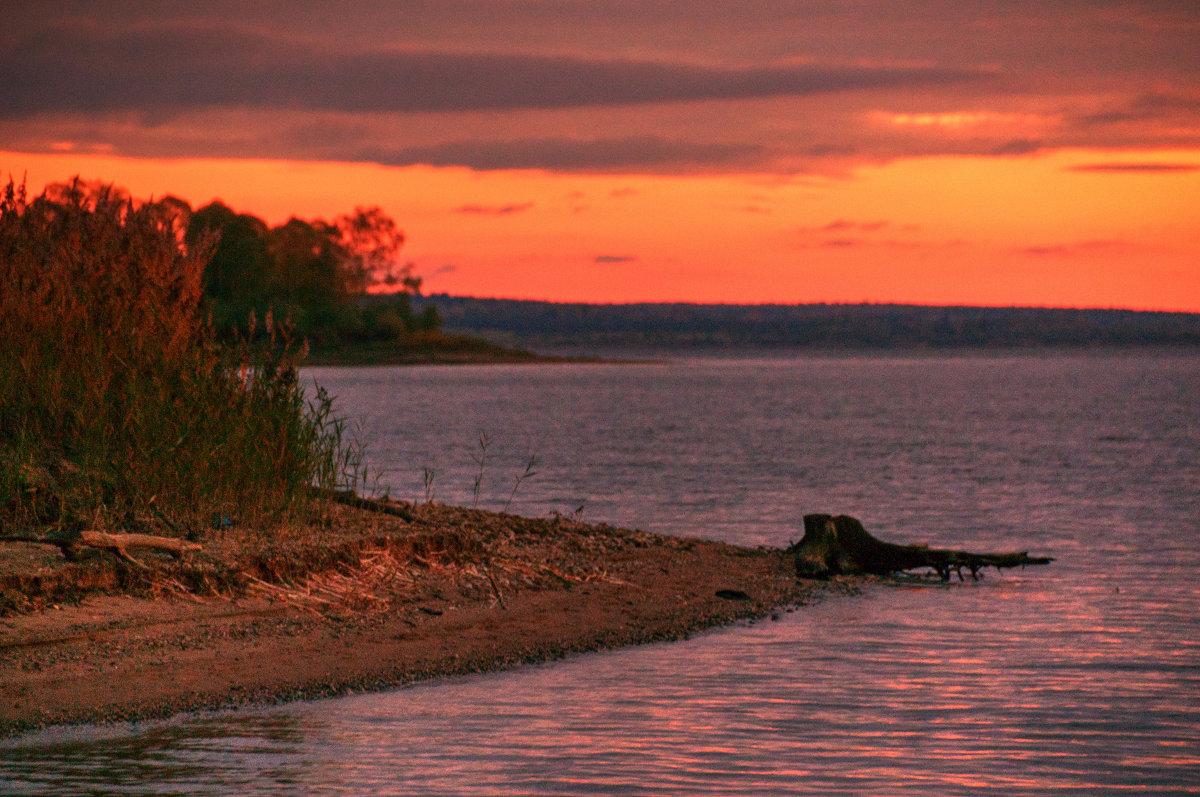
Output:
[[118, 409]]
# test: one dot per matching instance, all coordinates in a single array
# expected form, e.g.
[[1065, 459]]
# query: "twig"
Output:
[[480, 460], [487, 571], [529, 471]]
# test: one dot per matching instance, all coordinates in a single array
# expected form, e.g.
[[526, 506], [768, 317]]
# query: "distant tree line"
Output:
[[821, 326]]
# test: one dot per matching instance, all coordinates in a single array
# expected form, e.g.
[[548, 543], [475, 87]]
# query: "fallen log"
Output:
[[350, 498], [841, 546], [119, 544]]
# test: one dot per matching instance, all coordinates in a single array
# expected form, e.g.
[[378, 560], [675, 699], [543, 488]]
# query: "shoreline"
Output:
[[439, 350], [382, 602]]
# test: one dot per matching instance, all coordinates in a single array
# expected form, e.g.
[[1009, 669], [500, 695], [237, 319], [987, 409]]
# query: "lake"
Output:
[[1078, 678]]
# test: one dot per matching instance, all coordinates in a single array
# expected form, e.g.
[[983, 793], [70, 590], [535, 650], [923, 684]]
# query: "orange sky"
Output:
[[945, 153], [1031, 230]]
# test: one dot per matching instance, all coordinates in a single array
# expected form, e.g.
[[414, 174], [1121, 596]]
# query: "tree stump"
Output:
[[841, 546]]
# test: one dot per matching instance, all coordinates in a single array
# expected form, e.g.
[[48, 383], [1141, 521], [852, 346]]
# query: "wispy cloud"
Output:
[[609, 259], [1075, 249], [566, 153], [842, 224], [958, 120], [1137, 168], [1018, 146], [842, 234], [1042, 251], [1143, 108], [494, 210]]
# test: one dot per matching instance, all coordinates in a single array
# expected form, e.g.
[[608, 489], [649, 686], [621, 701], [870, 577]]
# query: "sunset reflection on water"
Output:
[[1078, 678]]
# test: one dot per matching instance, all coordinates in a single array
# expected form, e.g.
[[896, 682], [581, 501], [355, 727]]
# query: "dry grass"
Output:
[[119, 411]]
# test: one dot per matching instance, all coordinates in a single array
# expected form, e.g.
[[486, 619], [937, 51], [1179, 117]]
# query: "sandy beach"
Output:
[[360, 601]]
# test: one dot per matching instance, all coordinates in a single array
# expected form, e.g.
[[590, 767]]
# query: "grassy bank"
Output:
[[118, 408]]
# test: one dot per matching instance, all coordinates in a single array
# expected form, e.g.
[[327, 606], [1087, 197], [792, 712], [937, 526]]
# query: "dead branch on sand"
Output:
[[119, 544]]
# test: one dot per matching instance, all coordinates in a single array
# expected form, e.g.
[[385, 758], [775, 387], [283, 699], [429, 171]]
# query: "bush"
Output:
[[118, 408]]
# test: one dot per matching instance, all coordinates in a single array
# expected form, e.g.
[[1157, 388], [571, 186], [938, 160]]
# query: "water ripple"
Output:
[[1081, 678]]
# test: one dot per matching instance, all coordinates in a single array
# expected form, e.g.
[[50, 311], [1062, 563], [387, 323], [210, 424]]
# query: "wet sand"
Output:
[[371, 602]]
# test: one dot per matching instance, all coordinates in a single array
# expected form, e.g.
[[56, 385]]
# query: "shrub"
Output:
[[118, 408]]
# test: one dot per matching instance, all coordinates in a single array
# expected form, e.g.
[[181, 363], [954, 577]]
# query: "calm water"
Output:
[[1083, 677]]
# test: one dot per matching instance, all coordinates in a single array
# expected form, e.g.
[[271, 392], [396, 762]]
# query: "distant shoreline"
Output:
[[502, 331], [541, 325], [444, 350]]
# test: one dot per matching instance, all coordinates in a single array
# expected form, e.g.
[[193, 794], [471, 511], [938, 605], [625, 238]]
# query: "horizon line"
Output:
[[861, 303]]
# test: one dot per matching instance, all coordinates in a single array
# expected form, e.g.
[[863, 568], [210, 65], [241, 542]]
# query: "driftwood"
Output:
[[841, 546], [350, 498], [119, 544], [71, 540]]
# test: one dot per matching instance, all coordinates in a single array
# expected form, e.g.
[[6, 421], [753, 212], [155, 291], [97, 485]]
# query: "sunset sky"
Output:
[[934, 152]]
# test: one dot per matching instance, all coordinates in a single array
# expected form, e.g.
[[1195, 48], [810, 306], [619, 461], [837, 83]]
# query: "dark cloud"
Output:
[[603, 86], [832, 151], [1019, 146], [494, 210], [1075, 249], [86, 68], [602, 259], [1042, 251], [1143, 108], [842, 224], [566, 154], [1137, 168], [849, 234]]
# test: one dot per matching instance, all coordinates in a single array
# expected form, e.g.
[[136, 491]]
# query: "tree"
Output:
[[371, 242], [309, 264], [239, 277], [309, 275]]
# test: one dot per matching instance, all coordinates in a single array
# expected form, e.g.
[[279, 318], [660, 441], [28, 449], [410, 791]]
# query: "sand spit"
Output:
[[358, 601]]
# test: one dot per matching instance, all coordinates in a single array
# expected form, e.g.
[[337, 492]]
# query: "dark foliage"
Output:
[[310, 276]]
